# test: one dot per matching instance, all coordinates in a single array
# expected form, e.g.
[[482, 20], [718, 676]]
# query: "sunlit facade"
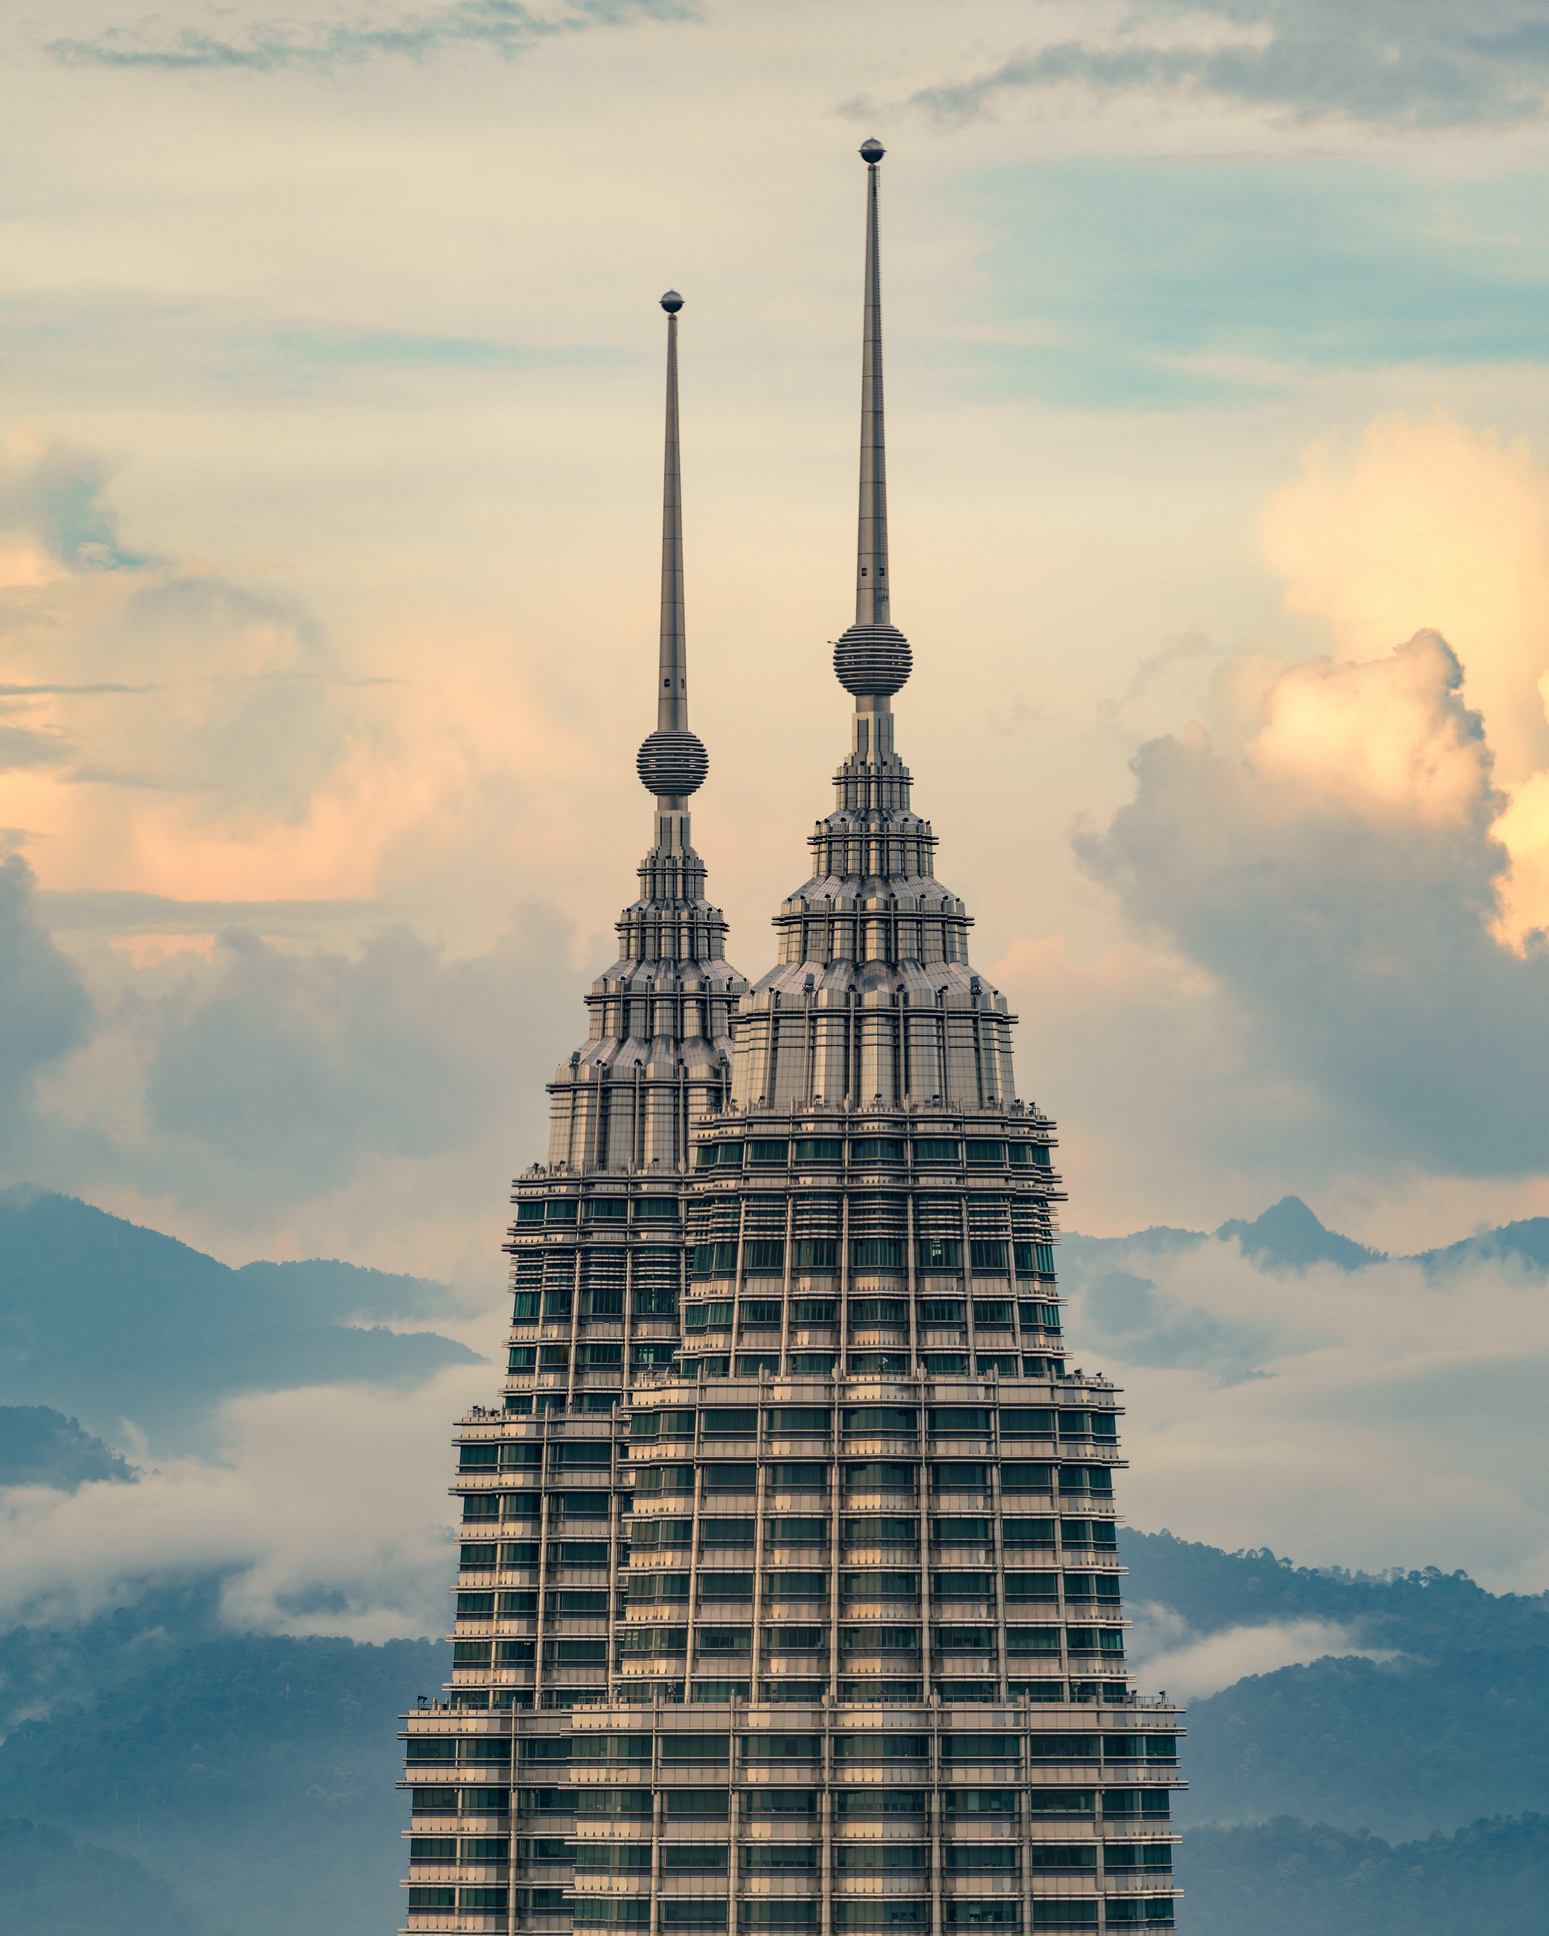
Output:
[[789, 1594]]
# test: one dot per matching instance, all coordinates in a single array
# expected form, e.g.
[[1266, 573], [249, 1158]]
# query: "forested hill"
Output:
[[1415, 1612]]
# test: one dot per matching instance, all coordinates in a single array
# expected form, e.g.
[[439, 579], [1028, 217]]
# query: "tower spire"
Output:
[[672, 694], [872, 659], [672, 762], [871, 549]]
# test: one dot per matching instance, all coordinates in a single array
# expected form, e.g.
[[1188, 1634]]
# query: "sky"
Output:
[[330, 419]]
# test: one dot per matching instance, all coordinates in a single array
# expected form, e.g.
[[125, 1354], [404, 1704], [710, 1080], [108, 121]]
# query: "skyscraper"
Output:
[[789, 1595]]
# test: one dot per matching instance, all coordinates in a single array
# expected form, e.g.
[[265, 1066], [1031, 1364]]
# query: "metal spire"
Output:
[[672, 695], [872, 659], [672, 763], [871, 602]]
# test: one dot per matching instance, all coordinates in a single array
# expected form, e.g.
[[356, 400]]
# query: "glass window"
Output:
[[959, 1475], [782, 1747], [714, 1260], [804, 1475], [554, 1357], [789, 1419], [819, 1149], [659, 1209], [939, 1254], [879, 1310], [880, 1418], [1032, 1640], [1028, 1532], [798, 1586], [768, 1152], [877, 1253], [696, 1747], [983, 1152], [524, 1305], [560, 1210], [941, 1310], [606, 1209], [735, 1477], [870, 1363], [732, 1420], [961, 1530], [764, 1254], [719, 1155], [529, 1211], [963, 1586], [877, 1149], [793, 1531], [556, 1304], [700, 1317], [935, 1149], [984, 1256], [960, 1418]]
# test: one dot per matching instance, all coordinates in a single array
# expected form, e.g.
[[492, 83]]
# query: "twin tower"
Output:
[[789, 1594]]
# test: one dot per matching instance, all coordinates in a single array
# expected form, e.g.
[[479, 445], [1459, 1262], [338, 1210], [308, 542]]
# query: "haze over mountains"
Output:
[[198, 1706], [110, 1321]]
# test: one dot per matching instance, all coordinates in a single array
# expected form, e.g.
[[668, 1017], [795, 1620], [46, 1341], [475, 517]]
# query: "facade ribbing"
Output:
[[789, 1595]]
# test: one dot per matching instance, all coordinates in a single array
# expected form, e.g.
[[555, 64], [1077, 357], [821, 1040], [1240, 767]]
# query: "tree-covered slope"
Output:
[[56, 1886], [1287, 1878], [257, 1772], [1414, 1612]]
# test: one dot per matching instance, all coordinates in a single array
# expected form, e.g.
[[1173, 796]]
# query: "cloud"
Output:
[[503, 27], [44, 1009], [376, 1534], [1426, 523], [1393, 1421], [1190, 1666], [287, 1070], [56, 494], [1392, 64], [1334, 871]]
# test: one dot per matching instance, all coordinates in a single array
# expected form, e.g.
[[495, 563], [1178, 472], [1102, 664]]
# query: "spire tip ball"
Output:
[[672, 302], [872, 151]]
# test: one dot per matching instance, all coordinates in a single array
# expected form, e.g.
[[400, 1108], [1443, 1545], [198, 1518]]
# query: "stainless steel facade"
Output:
[[789, 1595]]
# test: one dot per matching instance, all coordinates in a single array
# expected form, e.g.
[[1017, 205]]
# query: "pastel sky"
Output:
[[330, 415]]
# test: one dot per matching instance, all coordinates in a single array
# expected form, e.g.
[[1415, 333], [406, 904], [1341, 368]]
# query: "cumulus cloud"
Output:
[[266, 46], [1388, 63], [1337, 872], [1427, 524]]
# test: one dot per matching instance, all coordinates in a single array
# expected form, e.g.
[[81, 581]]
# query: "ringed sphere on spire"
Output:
[[872, 661], [872, 151], [672, 302], [672, 763]]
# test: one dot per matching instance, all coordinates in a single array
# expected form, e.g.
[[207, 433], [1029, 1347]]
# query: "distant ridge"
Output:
[[105, 1320], [1289, 1236]]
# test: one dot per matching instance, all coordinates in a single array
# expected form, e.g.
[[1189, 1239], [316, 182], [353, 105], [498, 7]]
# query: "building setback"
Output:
[[789, 1597]]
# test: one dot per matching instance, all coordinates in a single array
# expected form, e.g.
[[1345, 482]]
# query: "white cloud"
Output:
[[1189, 1666], [343, 1489], [1365, 1420]]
